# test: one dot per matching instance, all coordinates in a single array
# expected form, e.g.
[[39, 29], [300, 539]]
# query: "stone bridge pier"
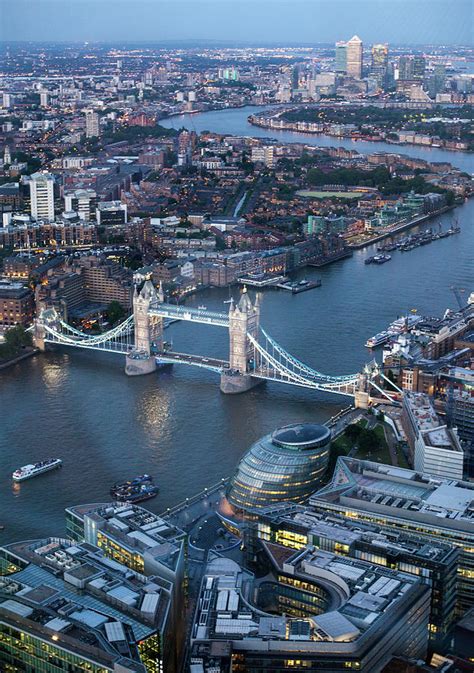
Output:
[[148, 332], [244, 319]]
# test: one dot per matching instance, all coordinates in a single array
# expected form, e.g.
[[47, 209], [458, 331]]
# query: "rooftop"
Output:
[[75, 591], [400, 493], [137, 528]]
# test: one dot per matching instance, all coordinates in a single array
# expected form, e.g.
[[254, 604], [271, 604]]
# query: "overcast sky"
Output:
[[309, 21]]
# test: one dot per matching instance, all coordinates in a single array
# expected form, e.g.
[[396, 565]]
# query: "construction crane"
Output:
[[457, 293]]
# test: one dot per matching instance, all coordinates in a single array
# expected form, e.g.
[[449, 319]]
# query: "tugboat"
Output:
[[33, 470]]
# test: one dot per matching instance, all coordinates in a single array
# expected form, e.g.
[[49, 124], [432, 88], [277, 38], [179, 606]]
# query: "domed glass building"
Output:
[[287, 465]]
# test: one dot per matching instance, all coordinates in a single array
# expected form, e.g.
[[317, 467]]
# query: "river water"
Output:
[[176, 424], [234, 121]]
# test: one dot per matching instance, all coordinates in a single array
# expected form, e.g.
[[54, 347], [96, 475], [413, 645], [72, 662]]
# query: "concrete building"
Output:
[[354, 57], [92, 124], [41, 196], [264, 155], [65, 606], [83, 202], [105, 281], [396, 499], [434, 448], [314, 610]]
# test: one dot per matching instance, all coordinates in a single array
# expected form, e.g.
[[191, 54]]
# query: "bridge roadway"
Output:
[[170, 357], [198, 315]]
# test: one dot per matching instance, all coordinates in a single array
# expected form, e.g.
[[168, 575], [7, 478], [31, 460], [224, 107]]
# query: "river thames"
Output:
[[175, 424]]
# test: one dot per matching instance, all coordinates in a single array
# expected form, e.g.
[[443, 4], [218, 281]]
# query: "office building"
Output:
[[92, 124], [314, 610], [405, 68], [379, 64], [419, 67], [341, 58], [41, 193], [464, 637], [140, 540], [16, 305], [83, 202], [66, 607], [430, 508], [354, 57], [433, 447], [110, 213], [297, 526], [460, 415], [287, 465]]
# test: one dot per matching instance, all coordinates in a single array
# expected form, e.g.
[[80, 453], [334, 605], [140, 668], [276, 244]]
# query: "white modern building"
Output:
[[435, 448], [42, 196], [92, 124]]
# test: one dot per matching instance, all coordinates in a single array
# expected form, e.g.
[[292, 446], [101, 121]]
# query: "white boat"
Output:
[[378, 339], [404, 323], [34, 469]]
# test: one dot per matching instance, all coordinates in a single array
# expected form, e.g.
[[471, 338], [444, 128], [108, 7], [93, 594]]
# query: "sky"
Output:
[[253, 21]]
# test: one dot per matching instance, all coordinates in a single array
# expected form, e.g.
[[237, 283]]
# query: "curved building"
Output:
[[287, 465]]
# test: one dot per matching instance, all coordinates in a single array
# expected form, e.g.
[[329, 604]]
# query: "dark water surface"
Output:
[[176, 425]]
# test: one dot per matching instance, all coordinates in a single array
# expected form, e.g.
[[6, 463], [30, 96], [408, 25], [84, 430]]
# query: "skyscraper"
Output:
[[341, 57], [92, 124], [379, 58], [42, 196], [405, 68], [419, 65], [354, 57]]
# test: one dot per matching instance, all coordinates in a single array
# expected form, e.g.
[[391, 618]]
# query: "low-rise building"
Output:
[[16, 305]]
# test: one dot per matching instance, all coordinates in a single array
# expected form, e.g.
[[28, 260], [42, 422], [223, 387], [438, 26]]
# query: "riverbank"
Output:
[[399, 228], [274, 122], [29, 352]]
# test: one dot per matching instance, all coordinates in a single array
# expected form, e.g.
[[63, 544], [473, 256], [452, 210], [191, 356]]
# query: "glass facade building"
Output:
[[287, 465]]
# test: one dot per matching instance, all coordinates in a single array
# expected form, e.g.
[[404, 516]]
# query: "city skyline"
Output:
[[300, 21]]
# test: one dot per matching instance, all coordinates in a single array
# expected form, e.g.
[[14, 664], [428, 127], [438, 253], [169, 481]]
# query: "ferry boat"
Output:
[[34, 469], [378, 339], [404, 324]]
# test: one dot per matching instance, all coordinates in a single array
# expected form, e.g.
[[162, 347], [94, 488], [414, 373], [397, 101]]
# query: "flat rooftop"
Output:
[[400, 493]]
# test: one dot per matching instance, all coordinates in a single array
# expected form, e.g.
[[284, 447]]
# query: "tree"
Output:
[[353, 432], [368, 441], [115, 312], [15, 339]]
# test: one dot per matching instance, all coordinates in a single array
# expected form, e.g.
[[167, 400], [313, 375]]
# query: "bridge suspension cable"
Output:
[[298, 367], [270, 367]]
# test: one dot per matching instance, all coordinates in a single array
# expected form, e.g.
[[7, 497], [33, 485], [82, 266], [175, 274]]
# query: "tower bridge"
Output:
[[254, 356]]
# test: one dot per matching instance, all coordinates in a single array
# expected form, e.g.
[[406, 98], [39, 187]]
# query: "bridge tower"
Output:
[[148, 331], [244, 319]]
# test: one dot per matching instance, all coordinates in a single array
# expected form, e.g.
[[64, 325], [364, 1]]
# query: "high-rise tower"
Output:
[[354, 57]]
